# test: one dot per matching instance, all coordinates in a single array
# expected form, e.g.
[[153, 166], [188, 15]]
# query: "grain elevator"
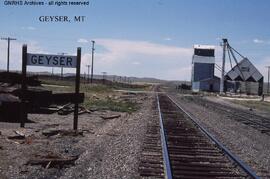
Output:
[[203, 69]]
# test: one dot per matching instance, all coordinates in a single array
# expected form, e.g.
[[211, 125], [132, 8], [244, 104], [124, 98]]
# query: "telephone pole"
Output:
[[88, 69], [268, 79], [8, 39], [225, 43], [62, 69], [92, 67], [104, 77]]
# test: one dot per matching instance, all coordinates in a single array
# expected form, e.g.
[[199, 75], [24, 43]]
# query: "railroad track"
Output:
[[180, 148], [257, 122]]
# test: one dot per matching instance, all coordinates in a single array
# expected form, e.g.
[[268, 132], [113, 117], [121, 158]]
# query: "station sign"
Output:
[[46, 60], [51, 60]]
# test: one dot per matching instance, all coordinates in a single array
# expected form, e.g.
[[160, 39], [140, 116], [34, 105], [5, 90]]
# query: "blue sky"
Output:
[[144, 38]]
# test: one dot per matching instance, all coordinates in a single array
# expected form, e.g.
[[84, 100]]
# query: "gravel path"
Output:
[[248, 144], [114, 152]]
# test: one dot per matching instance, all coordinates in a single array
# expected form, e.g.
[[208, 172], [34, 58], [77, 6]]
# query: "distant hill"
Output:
[[123, 79]]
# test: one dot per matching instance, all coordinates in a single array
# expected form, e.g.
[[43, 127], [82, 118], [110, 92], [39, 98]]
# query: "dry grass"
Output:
[[97, 96]]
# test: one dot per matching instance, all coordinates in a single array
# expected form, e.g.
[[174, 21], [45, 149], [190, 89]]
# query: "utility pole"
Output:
[[92, 67], [225, 43], [268, 79], [88, 71], [62, 69], [104, 77], [8, 39]]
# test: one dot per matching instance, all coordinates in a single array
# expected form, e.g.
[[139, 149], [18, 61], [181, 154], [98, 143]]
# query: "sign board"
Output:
[[51, 60]]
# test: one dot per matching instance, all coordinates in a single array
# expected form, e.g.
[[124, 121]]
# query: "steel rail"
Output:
[[267, 126], [246, 118], [240, 111], [165, 153], [260, 122], [240, 163]]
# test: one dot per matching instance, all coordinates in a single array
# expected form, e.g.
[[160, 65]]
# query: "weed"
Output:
[[119, 106]]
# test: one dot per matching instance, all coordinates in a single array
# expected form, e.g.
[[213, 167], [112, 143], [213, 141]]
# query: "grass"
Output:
[[69, 86], [119, 106], [137, 88], [98, 90], [57, 82]]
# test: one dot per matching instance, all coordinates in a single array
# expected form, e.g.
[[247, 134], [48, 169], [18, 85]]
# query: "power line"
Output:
[[8, 49]]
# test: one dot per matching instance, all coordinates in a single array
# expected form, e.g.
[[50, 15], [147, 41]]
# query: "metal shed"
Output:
[[245, 71], [209, 84]]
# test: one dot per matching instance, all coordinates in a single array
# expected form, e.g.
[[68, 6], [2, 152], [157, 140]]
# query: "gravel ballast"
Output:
[[108, 148], [250, 145]]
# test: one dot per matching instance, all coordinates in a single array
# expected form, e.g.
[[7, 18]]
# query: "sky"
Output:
[[140, 38]]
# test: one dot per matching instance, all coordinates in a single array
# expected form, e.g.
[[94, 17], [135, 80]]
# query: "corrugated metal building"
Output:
[[203, 69], [245, 72]]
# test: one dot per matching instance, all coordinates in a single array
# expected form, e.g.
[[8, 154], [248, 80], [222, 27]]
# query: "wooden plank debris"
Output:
[[17, 137], [16, 78], [53, 161], [110, 117], [62, 133]]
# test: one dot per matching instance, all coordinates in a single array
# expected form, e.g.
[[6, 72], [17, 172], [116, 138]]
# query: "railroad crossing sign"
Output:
[[29, 59]]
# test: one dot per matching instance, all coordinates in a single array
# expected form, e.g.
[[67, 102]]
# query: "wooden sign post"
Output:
[[24, 87], [77, 89], [50, 61]]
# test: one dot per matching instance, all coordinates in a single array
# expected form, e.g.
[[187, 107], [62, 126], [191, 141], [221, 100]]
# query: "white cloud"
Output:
[[81, 40], [258, 41], [124, 57], [179, 73], [135, 63], [28, 28], [124, 47], [128, 58], [261, 66], [146, 59], [16, 53], [168, 39]]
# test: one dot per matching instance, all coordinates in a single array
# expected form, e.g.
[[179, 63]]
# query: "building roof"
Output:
[[204, 46], [244, 71]]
